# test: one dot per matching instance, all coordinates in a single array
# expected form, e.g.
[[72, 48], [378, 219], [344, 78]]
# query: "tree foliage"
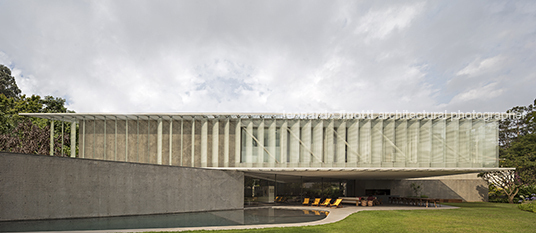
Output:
[[26, 134], [8, 86], [522, 155], [506, 180], [523, 124], [31, 139]]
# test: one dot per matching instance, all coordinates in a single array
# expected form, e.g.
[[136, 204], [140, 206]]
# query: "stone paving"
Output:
[[335, 215]]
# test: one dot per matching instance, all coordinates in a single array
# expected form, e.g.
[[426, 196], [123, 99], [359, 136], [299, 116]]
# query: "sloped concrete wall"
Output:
[[45, 187]]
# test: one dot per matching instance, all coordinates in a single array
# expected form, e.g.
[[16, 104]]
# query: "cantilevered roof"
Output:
[[69, 117], [294, 174]]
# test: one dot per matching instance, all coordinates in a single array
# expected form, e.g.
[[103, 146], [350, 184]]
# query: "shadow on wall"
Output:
[[483, 191], [465, 189]]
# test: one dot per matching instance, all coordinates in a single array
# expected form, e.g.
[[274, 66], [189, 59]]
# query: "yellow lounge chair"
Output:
[[326, 202], [337, 203], [305, 201], [317, 202]]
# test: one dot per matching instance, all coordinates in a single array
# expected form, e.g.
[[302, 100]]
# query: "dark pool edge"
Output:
[[335, 215]]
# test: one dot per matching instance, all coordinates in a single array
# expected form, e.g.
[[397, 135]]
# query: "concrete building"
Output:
[[369, 152]]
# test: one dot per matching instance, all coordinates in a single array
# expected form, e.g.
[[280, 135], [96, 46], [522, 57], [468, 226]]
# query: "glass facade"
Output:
[[278, 140], [448, 143]]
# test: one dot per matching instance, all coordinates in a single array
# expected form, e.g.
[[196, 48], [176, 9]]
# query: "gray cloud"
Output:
[[273, 56]]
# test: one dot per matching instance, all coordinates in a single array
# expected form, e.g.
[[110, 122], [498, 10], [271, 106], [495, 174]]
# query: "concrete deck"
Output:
[[335, 215]]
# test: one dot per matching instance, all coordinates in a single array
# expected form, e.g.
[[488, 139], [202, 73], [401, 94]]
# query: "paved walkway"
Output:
[[335, 215]]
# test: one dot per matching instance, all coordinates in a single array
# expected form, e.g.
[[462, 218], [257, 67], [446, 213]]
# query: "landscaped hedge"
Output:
[[528, 206]]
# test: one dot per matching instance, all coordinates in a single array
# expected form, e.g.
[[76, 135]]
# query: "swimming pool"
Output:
[[249, 216]]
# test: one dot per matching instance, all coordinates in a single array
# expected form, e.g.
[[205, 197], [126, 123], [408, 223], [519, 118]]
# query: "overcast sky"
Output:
[[273, 56]]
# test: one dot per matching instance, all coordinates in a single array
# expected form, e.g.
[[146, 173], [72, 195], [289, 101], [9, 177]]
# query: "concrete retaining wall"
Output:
[[45, 187], [467, 187]]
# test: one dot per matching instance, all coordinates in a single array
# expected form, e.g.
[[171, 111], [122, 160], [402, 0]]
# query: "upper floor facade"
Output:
[[287, 140]]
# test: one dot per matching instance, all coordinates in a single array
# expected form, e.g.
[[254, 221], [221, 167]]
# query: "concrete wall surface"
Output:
[[467, 187], [45, 187]]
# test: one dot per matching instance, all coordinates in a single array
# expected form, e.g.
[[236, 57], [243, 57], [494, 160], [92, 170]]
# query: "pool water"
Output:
[[252, 216]]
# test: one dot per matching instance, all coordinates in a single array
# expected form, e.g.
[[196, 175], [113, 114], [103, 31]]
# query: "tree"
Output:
[[506, 180], [513, 127], [522, 155], [31, 139], [8, 86], [17, 133]]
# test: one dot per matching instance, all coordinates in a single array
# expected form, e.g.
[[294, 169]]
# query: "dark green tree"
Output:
[[522, 124], [26, 134], [522, 155], [8, 86]]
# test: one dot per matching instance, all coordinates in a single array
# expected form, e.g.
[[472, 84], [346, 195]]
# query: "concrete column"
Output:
[[238, 143], [226, 143], [73, 139], [260, 147], [158, 141], [192, 159], [52, 138], [104, 144], [215, 143], [271, 142], [182, 140], [170, 141], [204, 142], [249, 142], [115, 140], [126, 139], [283, 143], [83, 149]]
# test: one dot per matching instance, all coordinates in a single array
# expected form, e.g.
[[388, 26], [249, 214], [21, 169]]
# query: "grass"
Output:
[[471, 217]]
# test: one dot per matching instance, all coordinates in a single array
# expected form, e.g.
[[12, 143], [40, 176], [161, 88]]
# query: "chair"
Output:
[[337, 203], [317, 202], [326, 202], [305, 201]]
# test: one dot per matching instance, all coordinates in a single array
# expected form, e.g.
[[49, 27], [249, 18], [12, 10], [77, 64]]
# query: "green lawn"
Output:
[[472, 217]]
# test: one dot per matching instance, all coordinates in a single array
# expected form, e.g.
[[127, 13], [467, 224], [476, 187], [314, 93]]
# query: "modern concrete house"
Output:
[[353, 147], [370, 153]]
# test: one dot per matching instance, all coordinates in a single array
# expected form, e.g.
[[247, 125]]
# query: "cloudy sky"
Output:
[[273, 56]]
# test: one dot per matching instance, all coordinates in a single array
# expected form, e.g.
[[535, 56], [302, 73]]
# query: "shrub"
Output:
[[528, 206]]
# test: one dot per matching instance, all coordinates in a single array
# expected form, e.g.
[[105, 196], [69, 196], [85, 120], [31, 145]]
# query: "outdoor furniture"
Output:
[[326, 202], [416, 201], [363, 201], [305, 201], [370, 200], [317, 202], [337, 203]]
